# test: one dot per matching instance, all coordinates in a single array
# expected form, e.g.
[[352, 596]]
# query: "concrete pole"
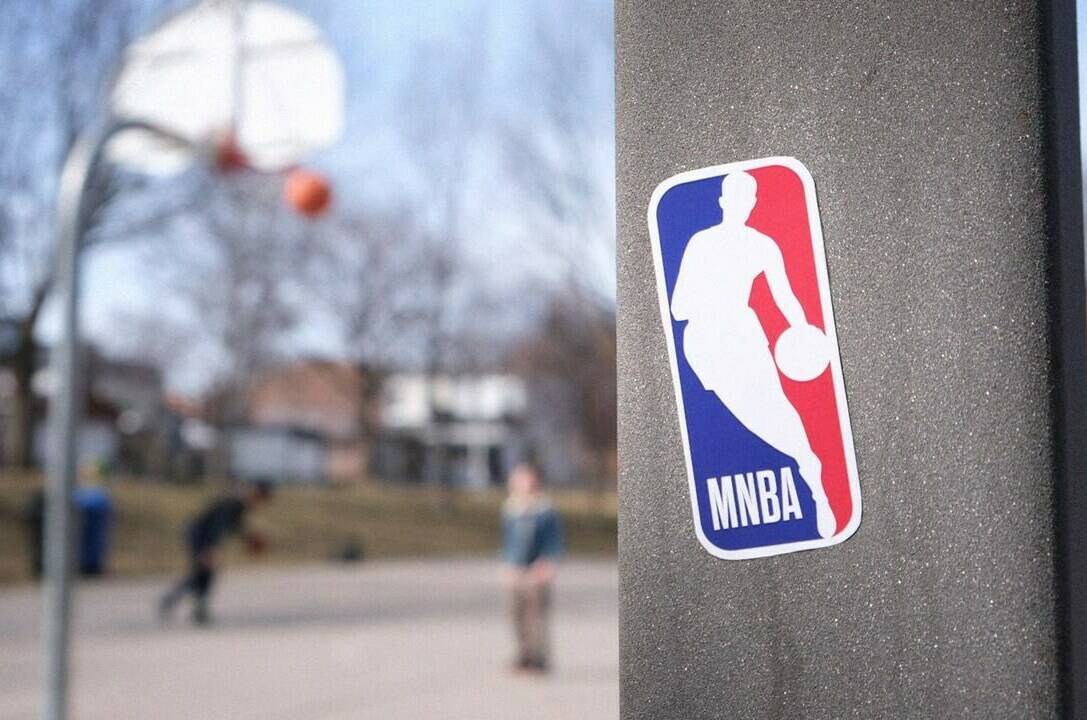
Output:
[[928, 127]]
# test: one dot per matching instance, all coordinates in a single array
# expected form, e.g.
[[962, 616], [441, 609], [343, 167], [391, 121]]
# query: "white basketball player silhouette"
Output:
[[724, 341]]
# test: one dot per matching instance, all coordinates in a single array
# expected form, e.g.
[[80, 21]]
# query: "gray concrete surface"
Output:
[[383, 640], [921, 123]]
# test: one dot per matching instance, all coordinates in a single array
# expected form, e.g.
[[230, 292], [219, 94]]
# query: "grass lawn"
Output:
[[305, 524]]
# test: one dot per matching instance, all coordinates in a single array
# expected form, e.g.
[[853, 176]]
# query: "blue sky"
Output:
[[377, 42]]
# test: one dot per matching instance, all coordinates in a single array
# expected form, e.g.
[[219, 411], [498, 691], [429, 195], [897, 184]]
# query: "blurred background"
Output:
[[384, 365]]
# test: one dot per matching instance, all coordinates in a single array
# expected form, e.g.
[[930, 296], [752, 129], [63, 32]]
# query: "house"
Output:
[[278, 454], [325, 399], [122, 414], [450, 430], [568, 363], [189, 438], [453, 430]]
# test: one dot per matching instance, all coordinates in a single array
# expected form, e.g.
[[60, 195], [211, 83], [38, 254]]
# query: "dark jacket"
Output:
[[530, 531], [220, 520]]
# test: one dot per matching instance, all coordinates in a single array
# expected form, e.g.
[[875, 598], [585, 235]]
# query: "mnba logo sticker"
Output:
[[745, 301]]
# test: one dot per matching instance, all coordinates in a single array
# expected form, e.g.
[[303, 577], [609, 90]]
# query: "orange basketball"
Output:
[[307, 192]]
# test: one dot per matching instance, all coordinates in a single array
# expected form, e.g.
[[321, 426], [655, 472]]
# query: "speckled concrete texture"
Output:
[[921, 124]]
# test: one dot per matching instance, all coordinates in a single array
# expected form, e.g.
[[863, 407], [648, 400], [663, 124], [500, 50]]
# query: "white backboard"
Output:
[[248, 67]]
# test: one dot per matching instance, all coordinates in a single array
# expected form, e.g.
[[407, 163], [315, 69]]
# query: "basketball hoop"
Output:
[[248, 85], [228, 155], [306, 192], [239, 84], [248, 72]]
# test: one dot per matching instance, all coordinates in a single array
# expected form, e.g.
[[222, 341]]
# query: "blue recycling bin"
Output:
[[95, 510]]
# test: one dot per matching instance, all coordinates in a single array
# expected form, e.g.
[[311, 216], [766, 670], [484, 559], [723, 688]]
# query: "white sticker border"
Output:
[[823, 278]]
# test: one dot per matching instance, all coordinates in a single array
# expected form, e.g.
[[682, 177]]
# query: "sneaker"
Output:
[[200, 614], [538, 667], [166, 609]]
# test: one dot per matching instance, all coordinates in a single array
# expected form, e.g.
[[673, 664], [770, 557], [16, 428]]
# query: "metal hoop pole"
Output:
[[74, 207]]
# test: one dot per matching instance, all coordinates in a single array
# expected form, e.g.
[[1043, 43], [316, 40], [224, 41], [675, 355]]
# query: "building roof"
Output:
[[407, 398], [323, 396]]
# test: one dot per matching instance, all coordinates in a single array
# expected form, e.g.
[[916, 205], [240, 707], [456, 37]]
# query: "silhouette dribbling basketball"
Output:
[[726, 345]]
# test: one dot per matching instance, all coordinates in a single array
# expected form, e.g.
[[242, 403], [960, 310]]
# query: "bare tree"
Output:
[[444, 113], [366, 270], [559, 148], [55, 62], [574, 344], [149, 335], [237, 266], [559, 161]]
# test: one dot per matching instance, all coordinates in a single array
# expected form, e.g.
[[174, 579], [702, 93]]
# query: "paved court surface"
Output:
[[378, 640]]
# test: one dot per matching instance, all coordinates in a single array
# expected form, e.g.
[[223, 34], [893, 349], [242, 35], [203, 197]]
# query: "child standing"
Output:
[[531, 547]]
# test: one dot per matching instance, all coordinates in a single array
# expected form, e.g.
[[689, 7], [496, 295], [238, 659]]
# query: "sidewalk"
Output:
[[384, 640]]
